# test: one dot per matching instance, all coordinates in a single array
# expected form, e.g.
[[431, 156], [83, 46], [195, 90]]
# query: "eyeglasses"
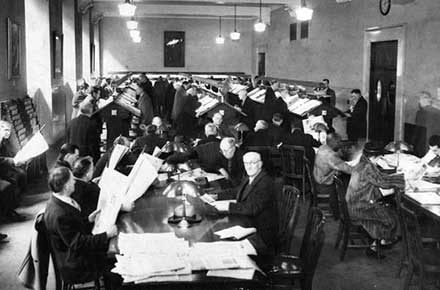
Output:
[[251, 162]]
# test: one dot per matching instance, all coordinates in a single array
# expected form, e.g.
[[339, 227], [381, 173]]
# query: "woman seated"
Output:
[[363, 195]]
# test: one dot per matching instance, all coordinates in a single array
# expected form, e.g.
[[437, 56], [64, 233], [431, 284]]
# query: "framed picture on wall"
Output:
[[174, 49], [13, 30], [57, 55]]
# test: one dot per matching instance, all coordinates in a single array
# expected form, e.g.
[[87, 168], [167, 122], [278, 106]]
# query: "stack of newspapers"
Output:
[[155, 257]]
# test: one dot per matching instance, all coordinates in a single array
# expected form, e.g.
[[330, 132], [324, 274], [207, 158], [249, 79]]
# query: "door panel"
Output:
[[382, 98]]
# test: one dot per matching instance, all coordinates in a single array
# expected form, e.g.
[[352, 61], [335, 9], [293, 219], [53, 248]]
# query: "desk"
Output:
[[150, 215], [432, 211]]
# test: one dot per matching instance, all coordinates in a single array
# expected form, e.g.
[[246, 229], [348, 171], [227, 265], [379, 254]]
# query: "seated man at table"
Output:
[[327, 164], [299, 138], [210, 134], [363, 195], [149, 141], [255, 198], [80, 256], [432, 157], [277, 129], [222, 129], [230, 161], [260, 136]]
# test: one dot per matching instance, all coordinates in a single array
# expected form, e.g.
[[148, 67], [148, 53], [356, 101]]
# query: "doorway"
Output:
[[382, 93], [261, 64]]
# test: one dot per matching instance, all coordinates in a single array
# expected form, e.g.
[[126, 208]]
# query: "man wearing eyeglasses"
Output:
[[255, 199]]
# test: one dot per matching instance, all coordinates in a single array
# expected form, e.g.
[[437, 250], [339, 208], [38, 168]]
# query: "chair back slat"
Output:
[[311, 181], [292, 160], [288, 211]]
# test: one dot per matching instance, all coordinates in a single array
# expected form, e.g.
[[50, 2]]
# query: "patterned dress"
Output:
[[379, 220]]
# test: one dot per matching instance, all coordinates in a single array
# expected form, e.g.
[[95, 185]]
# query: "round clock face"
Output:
[[385, 6]]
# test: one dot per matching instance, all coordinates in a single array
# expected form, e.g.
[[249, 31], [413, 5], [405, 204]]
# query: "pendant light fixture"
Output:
[[260, 26], [235, 35], [220, 39], [132, 24], [303, 13], [127, 9], [135, 33]]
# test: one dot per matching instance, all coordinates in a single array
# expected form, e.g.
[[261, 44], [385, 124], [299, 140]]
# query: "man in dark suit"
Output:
[[357, 116], [255, 199], [83, 131], [260, 136], [179, 100], [79, 255], [298, 138], [331, 96], [150, 140], [229, 161], [210, 135], [276, 129]]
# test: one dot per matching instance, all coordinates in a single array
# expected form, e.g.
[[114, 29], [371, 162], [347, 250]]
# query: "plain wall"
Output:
[[202, 54], [334, 48], [14, 87]]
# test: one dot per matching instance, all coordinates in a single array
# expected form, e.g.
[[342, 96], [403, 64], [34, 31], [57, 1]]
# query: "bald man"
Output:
[[256, 199]]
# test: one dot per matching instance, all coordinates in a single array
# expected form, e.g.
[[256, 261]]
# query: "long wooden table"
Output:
[[151, 214], [432, 211]]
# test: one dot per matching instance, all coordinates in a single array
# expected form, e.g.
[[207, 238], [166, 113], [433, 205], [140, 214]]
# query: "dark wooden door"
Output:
[[382, 105]]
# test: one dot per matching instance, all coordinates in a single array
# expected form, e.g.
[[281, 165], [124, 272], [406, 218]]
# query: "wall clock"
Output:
[[385, 6]]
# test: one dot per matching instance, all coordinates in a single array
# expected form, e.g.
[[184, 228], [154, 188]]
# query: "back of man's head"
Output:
[[356, 92], [227, 143], [261, 125], [58, 178], [210, 129], [67, 148], [86, 108], [434, 140], [333, 141]]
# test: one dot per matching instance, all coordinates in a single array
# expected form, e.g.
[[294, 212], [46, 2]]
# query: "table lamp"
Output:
[[183, 189], [398, 147]]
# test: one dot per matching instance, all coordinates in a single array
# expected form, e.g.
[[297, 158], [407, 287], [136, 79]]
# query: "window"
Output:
[[293, 30], [304, 29]]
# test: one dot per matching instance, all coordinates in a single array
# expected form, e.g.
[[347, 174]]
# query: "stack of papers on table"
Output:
[[258, 95], [235, 232], [159, 257], [148, 255], [236, 88]]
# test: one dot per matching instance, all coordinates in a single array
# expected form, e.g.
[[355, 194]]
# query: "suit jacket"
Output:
[[86, 194], [117, 120], [257, 200], [277, 133], [179, 100], [79, 255], [83, 131], [234, 166], [259, 138], [209, 139], [150, 141], [357, 123], [297, 137]]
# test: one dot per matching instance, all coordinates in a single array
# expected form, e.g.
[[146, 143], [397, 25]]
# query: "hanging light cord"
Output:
[[260, 9], [235, 17], [220, 25]]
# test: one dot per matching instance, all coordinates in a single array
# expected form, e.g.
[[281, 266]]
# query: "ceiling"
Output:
[[246, 9]]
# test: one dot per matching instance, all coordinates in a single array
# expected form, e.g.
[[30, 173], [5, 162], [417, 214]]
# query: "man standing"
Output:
[[357, 116], [179, 100], [83, 131], [255, 199], [327, 164], [329, 92]]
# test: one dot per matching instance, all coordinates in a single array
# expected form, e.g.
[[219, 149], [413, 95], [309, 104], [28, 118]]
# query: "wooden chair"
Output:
[[421, 261], [286, 269], [317, 199], [288, 213], [349, 230], [293, 162]]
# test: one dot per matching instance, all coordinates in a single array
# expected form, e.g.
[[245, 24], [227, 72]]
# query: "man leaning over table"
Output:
[[255, 198]]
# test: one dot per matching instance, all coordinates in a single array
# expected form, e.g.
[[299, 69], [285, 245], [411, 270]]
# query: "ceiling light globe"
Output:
[[132, 24], [304, 13], [135, 33], [219, 39], [260, 26], [235, 35], [127, 9]]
